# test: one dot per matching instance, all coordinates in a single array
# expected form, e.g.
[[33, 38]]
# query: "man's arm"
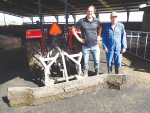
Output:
[[104, 40], [76, 35], [123, 41], [99, 33]]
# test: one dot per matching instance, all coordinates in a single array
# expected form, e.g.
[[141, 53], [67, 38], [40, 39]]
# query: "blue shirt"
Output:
[[88, 30], [114, 39]]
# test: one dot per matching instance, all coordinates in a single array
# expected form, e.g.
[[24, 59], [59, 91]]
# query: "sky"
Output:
[[105, 17]]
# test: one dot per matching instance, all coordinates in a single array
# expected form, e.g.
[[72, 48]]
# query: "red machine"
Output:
[[54, 37], [71, 37], [54, 30]]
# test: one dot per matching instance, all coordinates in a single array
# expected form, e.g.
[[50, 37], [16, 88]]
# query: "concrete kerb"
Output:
[[21, 96]]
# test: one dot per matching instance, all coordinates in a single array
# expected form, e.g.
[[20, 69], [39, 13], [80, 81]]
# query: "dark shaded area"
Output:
[[92, 73], [20, 30], [5, 99], [29, 8], [133, 26], [141, 52], [138, 63], [14, 63]]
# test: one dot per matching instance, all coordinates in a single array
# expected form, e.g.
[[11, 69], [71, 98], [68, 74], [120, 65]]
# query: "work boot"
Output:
[[116, 70], [109, 69], [86, 73], [96, 71]]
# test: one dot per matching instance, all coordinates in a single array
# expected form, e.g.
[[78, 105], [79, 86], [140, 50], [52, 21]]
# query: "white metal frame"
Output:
[[133, 34], [61, 54]]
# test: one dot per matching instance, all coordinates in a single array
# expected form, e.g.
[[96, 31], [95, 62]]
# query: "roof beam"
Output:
[[29, 8], [72, 6], [11, 4], [106, 5], [123, 5], [48, 8]]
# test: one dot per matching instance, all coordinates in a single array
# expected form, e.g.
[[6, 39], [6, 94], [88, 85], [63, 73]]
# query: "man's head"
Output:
[[113, 17], [90, 10]]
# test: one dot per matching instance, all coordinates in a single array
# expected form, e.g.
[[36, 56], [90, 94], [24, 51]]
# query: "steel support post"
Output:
[[22, 20], [31, 18], [145, 45], [4, 19], [130, 42], [137, 44], [74, 17], [66, 16], [127, 16], [97, 15], [41, 23], [56, 19]]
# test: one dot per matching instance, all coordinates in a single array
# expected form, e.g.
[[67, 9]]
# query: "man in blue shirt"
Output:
[[114, 43], [89, 27]]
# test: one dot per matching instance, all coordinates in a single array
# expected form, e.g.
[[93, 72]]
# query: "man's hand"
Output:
[[98, 38], [123, 50], [82, 40], [106, 50], [74, 31]]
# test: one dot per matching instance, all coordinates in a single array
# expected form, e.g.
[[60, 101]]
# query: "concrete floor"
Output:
[[133, 97]]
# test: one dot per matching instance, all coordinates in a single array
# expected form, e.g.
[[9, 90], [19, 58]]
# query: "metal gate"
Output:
[[138, 43]]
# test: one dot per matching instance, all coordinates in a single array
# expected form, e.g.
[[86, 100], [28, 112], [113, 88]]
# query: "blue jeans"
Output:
[[86, 54]]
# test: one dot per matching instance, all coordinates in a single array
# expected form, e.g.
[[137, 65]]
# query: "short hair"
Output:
[[91, 6]]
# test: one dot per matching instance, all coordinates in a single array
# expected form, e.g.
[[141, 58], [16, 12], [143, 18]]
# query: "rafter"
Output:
[[29, 8]]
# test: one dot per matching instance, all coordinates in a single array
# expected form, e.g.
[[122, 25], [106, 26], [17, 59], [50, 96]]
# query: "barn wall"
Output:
[[146, 23], [20, 30]]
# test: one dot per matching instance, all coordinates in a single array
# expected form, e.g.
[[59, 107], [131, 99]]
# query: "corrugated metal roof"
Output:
[[29, 8]]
